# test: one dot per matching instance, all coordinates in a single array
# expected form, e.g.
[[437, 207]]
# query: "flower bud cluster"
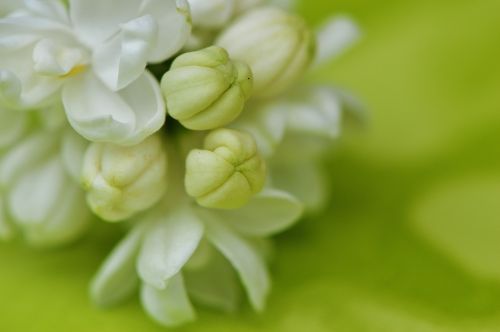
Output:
[[104, 112]]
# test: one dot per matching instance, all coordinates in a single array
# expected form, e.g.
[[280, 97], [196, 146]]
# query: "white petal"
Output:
[[97, 20], [23, 88], [267, 213], [12, 127], [169, 306], [72, 152], [52, 118], [211, 14], [304, 180], [22, 31], [249, 265], [117, 278], [266, 123], [24, 156], [352, 105], [50, 9], [39, 189], [7, 6], [54, 59], [123, 58], [48, 207], [168, 246], [318, 112], [21, 26], [67, 223], [124, 117], [214, 285], [334, 37], [145, 98], [174, 26]]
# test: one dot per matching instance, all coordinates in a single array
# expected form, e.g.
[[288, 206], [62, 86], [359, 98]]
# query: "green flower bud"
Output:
[[123, 180], [276, 45], [227, 172], [205, 89]]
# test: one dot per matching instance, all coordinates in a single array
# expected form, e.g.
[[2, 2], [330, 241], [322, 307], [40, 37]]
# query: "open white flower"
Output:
[[94, 54]]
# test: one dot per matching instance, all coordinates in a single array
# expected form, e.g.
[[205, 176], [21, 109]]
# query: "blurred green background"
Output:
[[411, 239]]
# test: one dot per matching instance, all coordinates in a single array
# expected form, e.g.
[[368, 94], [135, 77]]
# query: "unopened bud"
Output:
[[277, 46], [205, 89], [244, 5], [211, 14], [227, 172], [121, 181]]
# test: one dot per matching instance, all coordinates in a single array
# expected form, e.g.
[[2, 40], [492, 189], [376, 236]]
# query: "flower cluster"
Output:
[[85, 89]]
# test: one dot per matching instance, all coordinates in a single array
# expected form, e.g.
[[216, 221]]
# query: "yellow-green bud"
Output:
[[227, 172], [123, 180], [205, 89], [277, 46]]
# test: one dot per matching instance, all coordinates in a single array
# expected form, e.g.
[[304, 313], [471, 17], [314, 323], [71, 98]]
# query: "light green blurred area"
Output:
[[411, 239]]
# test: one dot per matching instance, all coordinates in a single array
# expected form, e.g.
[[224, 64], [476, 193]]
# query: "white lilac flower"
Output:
[[93, 55], [39, 197], [277, 46], [123, 180], [203, 222], [170, 255], [222, 87]]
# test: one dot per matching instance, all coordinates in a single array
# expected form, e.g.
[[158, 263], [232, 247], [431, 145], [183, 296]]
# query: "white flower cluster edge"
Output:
[[84, 136]]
